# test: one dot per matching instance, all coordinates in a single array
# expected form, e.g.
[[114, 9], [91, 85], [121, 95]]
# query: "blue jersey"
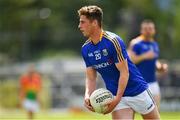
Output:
[[146, 67], [103, 56]]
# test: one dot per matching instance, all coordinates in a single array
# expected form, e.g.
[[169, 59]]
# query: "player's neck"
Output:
[[96, 36], [147, 38]]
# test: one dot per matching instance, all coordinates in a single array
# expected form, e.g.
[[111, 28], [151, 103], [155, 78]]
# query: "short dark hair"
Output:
[[92, 12], [146, 21]]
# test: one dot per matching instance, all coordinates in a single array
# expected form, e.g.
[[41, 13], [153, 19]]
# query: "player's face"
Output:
[[148, 29], [85, 26]]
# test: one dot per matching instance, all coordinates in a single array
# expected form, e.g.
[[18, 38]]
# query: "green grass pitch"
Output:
[[45, 115]]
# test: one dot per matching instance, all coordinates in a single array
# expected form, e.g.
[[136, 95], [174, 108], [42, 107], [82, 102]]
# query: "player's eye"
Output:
[[82, 22]]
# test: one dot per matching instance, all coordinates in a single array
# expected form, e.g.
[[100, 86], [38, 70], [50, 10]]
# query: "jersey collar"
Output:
[[143, 38], [100, 37]]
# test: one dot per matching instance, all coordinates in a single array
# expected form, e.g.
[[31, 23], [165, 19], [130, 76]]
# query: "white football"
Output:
[[99, 98]]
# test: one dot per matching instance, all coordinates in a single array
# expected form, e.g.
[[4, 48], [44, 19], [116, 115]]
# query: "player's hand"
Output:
[[165, 67], [87, 104], [149, 55], [162, 67], [111, 105]]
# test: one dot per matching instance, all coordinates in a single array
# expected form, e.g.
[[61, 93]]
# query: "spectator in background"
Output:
[[30, 87], [144, 52]]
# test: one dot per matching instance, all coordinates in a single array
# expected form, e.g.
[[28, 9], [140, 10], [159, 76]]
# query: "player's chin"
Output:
[[85, 34]]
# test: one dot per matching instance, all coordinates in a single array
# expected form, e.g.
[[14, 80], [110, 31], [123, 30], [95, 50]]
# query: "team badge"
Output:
[[105, 52]]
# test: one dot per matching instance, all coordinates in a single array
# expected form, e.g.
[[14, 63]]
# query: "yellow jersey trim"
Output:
[[100, 37], [116, 45]]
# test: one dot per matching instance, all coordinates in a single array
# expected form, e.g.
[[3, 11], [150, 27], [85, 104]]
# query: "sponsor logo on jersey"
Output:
[[101, 65]]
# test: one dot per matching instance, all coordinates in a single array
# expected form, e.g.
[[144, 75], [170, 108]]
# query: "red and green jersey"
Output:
[[31, 85]]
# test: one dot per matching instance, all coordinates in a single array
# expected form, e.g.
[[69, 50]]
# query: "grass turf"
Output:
[[45, 115]]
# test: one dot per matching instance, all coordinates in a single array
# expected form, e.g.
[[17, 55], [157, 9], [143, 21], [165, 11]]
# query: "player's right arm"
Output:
[[132, 52], [90, 86]]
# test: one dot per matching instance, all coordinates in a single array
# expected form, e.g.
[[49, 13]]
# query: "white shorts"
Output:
[[154, 88], [142, 103], [31, 105]]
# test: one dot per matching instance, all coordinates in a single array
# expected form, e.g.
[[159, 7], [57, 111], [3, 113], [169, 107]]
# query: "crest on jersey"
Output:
[[105, 52]]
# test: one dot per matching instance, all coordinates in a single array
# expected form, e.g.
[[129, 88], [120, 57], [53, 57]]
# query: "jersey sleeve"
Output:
[[118, 49], [135, 49], [157, 51], [85, 57]]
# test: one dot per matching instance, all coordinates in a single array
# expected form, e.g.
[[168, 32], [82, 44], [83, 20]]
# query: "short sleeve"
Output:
[[85, 57], [118, 50], [135, 48], [157, 49]]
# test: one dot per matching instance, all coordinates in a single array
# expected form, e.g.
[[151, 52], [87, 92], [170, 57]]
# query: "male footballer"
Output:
[[105, 53]]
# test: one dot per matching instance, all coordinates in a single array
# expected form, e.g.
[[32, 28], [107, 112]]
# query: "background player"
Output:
[[30, 86], [144, 52], [104, 52]]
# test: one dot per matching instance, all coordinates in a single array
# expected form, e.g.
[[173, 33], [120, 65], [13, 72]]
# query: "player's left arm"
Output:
[[123, 80], [120, 59]]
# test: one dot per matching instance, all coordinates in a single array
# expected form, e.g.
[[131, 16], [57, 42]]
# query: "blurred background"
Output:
[[44, 32]]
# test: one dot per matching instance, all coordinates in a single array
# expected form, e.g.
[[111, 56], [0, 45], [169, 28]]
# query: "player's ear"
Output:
[[95, 23]]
